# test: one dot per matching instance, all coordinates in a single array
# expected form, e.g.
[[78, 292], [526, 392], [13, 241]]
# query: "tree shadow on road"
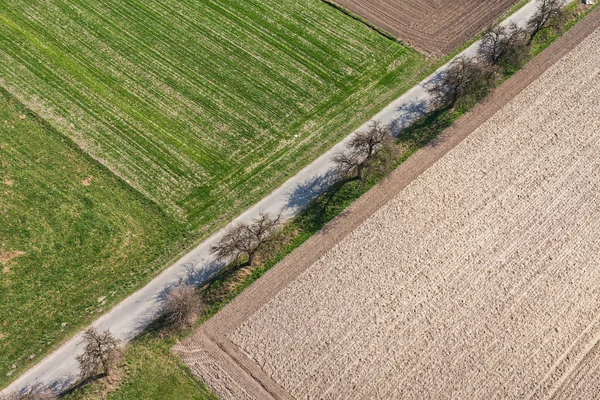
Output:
[[426, 130], [196, 275], [304, 193], [410, 113], [71, 384]]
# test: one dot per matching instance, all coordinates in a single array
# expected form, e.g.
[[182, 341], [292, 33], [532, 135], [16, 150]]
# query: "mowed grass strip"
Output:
[[74, 239], [197, 103]]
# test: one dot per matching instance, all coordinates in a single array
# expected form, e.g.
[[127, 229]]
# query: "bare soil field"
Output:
[[435, 26], [478, 277]]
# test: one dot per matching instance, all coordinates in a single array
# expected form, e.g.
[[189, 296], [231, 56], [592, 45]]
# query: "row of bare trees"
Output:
[[242, 242], [181, 306], [503, 49]]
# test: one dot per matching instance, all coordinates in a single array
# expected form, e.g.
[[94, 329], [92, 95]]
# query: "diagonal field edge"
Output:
[[211, 337]]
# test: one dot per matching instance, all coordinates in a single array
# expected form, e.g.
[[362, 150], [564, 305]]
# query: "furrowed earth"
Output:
[[433, 27], [480, 279]]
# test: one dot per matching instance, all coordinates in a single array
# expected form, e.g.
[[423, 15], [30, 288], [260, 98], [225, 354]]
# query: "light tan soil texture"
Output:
[[433, 26], [473, 272]]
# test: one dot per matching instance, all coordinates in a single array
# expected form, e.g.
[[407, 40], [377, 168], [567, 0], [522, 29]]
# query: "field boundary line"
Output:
[[366, 22]]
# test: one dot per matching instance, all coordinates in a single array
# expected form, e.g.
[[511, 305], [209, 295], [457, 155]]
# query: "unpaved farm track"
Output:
[[434, 26], [479, 279]]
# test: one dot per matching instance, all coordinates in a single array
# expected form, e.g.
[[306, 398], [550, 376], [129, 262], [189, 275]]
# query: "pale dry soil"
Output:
[[480, 280]]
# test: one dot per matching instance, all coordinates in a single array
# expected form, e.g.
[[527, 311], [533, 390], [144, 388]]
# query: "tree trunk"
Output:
[[359, 170]]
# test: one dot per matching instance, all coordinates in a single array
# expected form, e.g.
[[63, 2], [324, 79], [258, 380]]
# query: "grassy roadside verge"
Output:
[[228, 285]]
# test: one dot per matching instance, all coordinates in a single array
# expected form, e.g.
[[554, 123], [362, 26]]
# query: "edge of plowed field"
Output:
[[241, 376]]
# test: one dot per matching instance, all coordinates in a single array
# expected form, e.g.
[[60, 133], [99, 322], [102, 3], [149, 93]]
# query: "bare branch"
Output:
[[549, 14], [233, 244], [504, 45], [246, 239], [100, 354], [465, 79], [361, 149], [346, 162]]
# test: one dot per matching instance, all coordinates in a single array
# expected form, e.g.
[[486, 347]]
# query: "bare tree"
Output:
[[100, 354], [549, 14], [182, 306], [347, 162], [504, 45], [465, 79], [362, 149], [246, 239]]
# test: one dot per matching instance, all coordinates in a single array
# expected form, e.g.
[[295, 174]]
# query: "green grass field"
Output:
[[197, 103], [148, 371], [194, 104], [70, 233]]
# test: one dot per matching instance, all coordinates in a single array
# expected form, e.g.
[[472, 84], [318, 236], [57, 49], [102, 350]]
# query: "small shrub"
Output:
[[182, 306]]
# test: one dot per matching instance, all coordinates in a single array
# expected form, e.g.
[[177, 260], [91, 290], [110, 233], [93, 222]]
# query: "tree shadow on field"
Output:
[[71, 384], [426, 130], [323, 209]]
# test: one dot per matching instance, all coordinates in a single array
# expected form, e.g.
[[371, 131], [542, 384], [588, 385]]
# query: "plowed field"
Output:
[[479, 279], [434, 26]]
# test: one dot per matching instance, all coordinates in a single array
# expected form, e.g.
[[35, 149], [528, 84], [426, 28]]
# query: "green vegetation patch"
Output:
[[203, 106], [74, 239], [149, 372]]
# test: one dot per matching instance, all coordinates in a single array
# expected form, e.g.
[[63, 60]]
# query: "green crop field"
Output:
[[196, 103], [71, 233], [194, 109]]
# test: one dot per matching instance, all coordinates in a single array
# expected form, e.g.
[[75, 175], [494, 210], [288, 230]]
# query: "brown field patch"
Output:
[[87, 181], [432, 27], [8, 256], [472, 272]]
